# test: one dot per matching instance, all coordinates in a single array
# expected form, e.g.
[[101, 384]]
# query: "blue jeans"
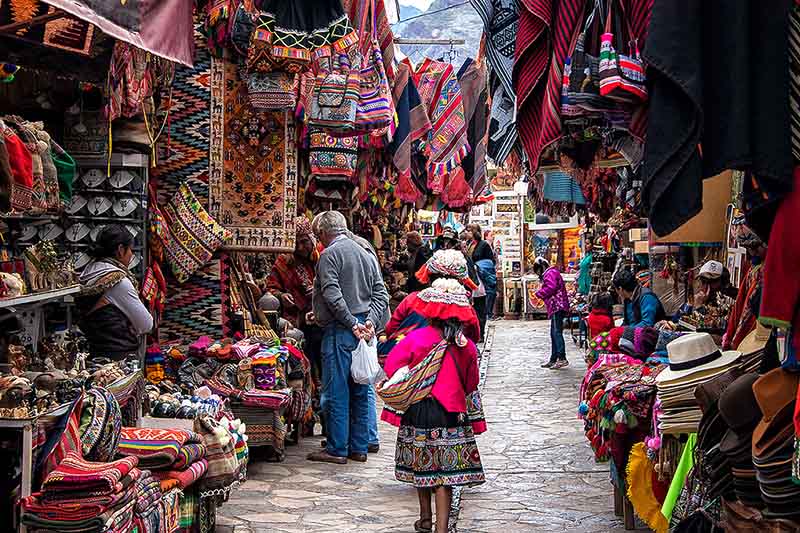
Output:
[[373, 416], [558, 349], [344, 402]]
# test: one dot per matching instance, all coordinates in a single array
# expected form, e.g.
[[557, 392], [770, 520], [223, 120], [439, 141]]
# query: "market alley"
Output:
[[540, 472]]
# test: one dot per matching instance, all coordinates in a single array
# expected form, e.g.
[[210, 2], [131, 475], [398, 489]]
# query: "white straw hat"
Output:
[[694, 353]]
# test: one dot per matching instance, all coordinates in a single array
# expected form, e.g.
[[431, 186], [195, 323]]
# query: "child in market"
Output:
[[600, 318]]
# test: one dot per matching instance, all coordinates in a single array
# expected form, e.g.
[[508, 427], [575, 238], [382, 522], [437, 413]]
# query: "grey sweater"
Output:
[[348, 283]]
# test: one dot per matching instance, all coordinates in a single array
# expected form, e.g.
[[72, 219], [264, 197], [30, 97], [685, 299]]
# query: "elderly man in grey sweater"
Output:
[[349, 302]]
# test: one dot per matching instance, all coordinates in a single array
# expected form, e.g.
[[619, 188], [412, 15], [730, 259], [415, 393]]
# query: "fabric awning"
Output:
[[161, 27]]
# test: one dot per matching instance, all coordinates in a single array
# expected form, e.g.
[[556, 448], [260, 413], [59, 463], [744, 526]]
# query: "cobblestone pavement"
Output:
[[540, 472]]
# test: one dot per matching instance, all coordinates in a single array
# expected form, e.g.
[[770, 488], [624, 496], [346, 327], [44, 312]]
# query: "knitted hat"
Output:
[[449, 264], [445, 299]]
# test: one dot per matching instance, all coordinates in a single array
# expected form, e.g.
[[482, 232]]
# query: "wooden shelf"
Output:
[[39, 297]]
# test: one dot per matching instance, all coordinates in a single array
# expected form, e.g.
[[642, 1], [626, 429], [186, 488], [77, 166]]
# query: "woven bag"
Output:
[[622, 76], [418, 384]]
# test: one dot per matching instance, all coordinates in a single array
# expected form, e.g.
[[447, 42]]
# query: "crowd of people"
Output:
[[331, 287]]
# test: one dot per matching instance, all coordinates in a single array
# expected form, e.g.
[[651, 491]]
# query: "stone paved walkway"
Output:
[[540, 472]]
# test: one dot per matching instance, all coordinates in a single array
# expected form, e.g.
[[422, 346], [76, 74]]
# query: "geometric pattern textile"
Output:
[[253, 166]]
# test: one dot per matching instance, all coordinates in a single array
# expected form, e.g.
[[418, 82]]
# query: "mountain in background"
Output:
[[408, 11], [458, 22]]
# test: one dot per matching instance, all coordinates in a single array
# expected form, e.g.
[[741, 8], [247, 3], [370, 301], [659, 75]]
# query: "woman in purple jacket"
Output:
[[554, 294]]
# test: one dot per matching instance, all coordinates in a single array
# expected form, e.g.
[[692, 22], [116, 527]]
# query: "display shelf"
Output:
[[39, 297]]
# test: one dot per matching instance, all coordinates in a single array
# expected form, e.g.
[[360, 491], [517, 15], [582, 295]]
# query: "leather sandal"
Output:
[[420, 528]]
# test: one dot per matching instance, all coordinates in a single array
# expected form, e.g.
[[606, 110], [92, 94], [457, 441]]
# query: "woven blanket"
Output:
[[76, 509], [75, 473], [149, 521], [253, 166], [148, 491], [112, 520], [168, 484], [187, 476], [188, 454], [187, 512], [155, 448]]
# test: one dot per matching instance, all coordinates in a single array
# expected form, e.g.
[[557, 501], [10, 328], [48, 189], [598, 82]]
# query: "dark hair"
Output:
[[109, 240], [624, 279], [450, 328], [540, 265], [603, 301]]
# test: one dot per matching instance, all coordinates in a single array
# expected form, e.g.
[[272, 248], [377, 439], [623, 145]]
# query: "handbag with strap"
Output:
[[336, 96], [375, 110], [622, 76], [417, 384], [581, 80]]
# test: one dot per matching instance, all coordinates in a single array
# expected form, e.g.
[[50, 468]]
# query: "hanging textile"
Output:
[[546, 32], [413, 125], [745, 126], [162, 27], [472, 78], [500, 25], [561, 187], [447, 141]]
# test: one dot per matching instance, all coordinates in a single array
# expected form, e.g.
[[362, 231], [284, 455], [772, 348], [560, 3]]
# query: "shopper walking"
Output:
[[436, 448], [554, 294], [349, 299]]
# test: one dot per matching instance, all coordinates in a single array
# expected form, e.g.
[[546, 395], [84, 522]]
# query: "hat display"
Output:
[[756, 339], [711, 270], [694, 362], [739, 408], [694, 353]]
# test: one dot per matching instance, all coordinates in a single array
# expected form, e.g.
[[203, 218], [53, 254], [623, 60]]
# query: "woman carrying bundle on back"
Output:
[[436, 448]]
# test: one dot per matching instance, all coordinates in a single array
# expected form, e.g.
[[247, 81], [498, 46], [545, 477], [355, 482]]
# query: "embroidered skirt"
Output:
[[434, 449]]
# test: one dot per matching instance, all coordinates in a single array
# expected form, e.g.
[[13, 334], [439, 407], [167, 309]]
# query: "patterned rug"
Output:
[[193, 308], [253, 166]]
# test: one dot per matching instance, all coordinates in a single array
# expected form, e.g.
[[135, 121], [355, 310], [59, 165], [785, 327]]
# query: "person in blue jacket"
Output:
[[642, 306]]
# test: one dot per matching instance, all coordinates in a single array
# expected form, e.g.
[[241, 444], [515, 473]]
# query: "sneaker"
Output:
[[548, 364], [561, 363]]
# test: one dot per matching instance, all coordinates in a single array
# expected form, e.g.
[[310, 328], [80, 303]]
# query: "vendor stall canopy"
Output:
[[83, 27]]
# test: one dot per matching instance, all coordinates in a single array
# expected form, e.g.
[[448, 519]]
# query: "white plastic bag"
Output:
[[365, 368]]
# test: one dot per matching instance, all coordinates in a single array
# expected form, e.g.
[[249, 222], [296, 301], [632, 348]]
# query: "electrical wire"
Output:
[[430, 13]]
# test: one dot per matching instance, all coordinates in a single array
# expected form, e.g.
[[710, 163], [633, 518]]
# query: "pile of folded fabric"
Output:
[[694, 359], [176, 457], [149, 512], [86, 497]]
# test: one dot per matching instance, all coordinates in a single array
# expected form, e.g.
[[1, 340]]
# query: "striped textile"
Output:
[[447, 141], [794, 79], [561, 187], [187, 476], [418, 384], [546, 31]]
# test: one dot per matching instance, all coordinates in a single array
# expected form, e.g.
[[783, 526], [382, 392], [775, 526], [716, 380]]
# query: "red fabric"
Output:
[[599, 322], [546, 31], [21, 163], [69, 442], [73, 473], [401, 312], [741, 320], [412, 303], [447, 389], [781, 292], [287, 276]]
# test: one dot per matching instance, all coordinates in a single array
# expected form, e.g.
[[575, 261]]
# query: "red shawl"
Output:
[[546, 31], [288, 275]]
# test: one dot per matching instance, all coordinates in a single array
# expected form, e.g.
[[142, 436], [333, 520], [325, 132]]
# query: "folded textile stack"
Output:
[[694, 359], [149, 512], [85, 497], [185, 477], [739, 408], [155, 448], [773, 443]]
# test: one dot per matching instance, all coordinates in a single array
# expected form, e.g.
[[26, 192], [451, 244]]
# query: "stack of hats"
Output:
[[694, 359], [739, 409], [773, 443]]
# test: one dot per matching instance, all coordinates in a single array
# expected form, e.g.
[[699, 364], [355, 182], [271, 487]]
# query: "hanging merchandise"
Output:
[[336, 94], [621, 76], [473, 77]]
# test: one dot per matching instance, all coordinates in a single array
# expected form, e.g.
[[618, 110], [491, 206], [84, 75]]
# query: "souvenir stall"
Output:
[[695, 440]]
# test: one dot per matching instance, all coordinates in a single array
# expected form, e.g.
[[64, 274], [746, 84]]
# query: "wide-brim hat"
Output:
[[740, 410], [694, 353], [755, 340], [445, 299], [772, 434]]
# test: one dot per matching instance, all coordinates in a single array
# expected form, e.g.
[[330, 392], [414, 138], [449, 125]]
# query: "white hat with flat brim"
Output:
[[694, 353]]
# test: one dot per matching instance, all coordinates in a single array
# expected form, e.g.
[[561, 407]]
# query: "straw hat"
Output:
[[692, 354], [755, 340]]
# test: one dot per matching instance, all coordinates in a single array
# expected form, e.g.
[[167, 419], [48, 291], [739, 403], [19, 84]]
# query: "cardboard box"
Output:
[[638, 234], [641, 247]]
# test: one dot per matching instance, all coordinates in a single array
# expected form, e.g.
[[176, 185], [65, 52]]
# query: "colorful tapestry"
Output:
[[75, 473], [66, 33], [192, 309], [193, 237], [253, 162], [187, 476], [155, 448]]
